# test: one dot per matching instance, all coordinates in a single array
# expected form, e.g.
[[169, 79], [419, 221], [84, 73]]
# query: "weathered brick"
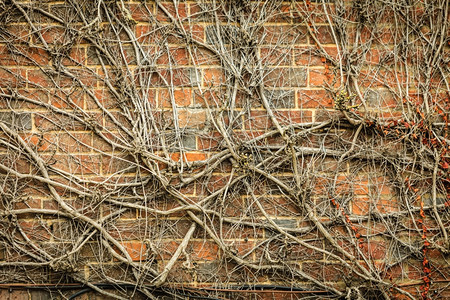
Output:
[[192, 118], [283, 34], [307, 56], [40, 295], [75, 142], [226, 34], [285, 77], [276, 56], [326, 272], [280, 98], [381, 99], [16, 120], [258, 120], [293, 116], [18, 295], [75, 164]]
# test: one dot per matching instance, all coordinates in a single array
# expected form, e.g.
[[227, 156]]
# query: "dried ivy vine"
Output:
[[386, 69]]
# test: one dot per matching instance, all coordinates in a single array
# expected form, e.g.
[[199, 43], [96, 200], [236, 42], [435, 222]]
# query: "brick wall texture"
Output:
[[222, 149]]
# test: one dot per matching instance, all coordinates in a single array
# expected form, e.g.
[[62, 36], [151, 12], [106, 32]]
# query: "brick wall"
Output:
[[234, 149]]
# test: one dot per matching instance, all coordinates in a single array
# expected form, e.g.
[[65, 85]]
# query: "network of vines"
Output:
[[271, 191]]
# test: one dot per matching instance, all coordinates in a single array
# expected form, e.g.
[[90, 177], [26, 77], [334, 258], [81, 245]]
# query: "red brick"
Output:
[[15, 162], [12, 77], [67, 99], [361, 206], [376, 250], [146, 34], [379, 99], [209, 142], [180, 274], [20, 32], [213, 77], [179, 11], [141, 12], [28, 56], [207, 98], [241, 248], [319, 78], [45, 142], [319, 11], [324, 34], [176, 56], [188, 156], [76, 57], [328, 272], [37, 95], [181, 97], [101, 144], [83, 76], [104, 97], [35, 230], [302, 253], [282, 13], [276, 206], [109, 124], [193, 31], [30, 203], [373, 56], [388, 205], [136, 250], [215, 183], [185, 189], [179, 76], [308, 56], [361, 187], [75, 164], [205, 57], [293, 117], [314, 99], [258, 120], [415, 270], [196, 12], [204, 250], [75, 142], [38, 78], [52, 35], [127, 230]]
